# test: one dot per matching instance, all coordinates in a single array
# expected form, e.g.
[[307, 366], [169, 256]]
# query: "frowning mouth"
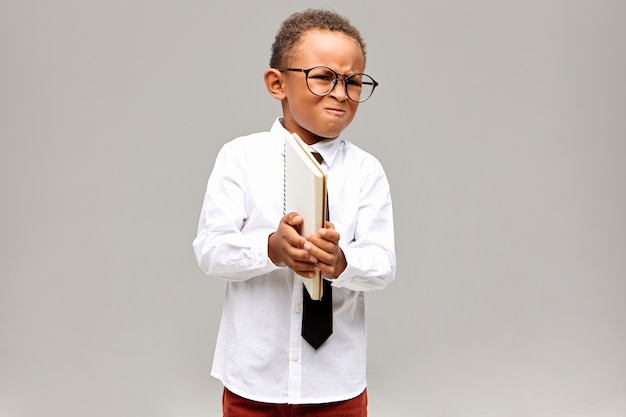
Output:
[[336, 112]]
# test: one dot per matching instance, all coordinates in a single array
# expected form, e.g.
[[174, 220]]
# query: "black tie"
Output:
[[317, 315]]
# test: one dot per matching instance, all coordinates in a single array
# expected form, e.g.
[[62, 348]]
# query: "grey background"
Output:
[[502, 128]]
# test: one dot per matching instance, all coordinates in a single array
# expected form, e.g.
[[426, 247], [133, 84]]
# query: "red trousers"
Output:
[[236, 406]]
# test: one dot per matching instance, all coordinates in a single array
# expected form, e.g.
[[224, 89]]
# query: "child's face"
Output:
[[315, 118]]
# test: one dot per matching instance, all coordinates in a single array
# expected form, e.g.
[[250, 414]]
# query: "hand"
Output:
[[286, 247], [324, 247]]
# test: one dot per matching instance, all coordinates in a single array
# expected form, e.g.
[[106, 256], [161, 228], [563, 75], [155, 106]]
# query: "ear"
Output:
[[274, 82]]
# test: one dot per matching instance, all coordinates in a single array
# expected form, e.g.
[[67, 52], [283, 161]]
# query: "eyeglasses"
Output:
[[322, 80]]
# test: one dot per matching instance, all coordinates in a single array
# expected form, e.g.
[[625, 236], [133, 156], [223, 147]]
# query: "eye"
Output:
[[322, 76], [355, 80]]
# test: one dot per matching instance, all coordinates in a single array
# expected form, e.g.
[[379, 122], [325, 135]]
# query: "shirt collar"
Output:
[[328, 148]]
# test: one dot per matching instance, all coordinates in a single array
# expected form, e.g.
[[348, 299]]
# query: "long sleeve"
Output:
[[369, 242], [238, 214]]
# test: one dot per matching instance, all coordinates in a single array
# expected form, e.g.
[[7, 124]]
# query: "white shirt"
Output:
[[260, 354]]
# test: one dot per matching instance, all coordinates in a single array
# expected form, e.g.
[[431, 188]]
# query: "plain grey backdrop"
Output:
[[502, 127]]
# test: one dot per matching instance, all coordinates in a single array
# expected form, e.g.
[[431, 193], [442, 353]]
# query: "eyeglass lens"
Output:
[[322, 80]]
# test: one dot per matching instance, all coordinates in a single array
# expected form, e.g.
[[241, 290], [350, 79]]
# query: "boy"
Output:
[[266, 365]]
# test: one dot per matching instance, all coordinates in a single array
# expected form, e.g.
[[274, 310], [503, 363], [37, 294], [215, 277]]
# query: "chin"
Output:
[[332, 133], [329, 136]]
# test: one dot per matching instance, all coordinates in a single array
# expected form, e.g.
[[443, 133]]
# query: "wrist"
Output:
[[341, 264], [270, 251]]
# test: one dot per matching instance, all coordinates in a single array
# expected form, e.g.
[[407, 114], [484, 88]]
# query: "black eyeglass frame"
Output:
[[306, 72]]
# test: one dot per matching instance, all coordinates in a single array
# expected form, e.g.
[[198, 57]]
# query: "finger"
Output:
[[329, 234], [327, 241], [293, 219], [305, 269], [324, 255], [291, 235]]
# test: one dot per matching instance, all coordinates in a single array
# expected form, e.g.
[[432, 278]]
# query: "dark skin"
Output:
[[314, 118], [305, 255]]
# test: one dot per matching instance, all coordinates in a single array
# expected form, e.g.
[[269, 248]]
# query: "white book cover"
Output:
[[305, 194]]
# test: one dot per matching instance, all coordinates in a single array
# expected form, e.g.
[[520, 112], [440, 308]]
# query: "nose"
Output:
[[340, 89]]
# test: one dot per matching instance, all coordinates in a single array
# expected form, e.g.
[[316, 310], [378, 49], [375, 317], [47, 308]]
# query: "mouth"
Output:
[[335, 111]]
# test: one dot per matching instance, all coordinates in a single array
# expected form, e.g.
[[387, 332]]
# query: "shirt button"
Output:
[[298, 309], [294, 357]]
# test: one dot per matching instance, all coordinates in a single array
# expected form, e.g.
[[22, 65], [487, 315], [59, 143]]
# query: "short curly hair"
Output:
[[296, 25]]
